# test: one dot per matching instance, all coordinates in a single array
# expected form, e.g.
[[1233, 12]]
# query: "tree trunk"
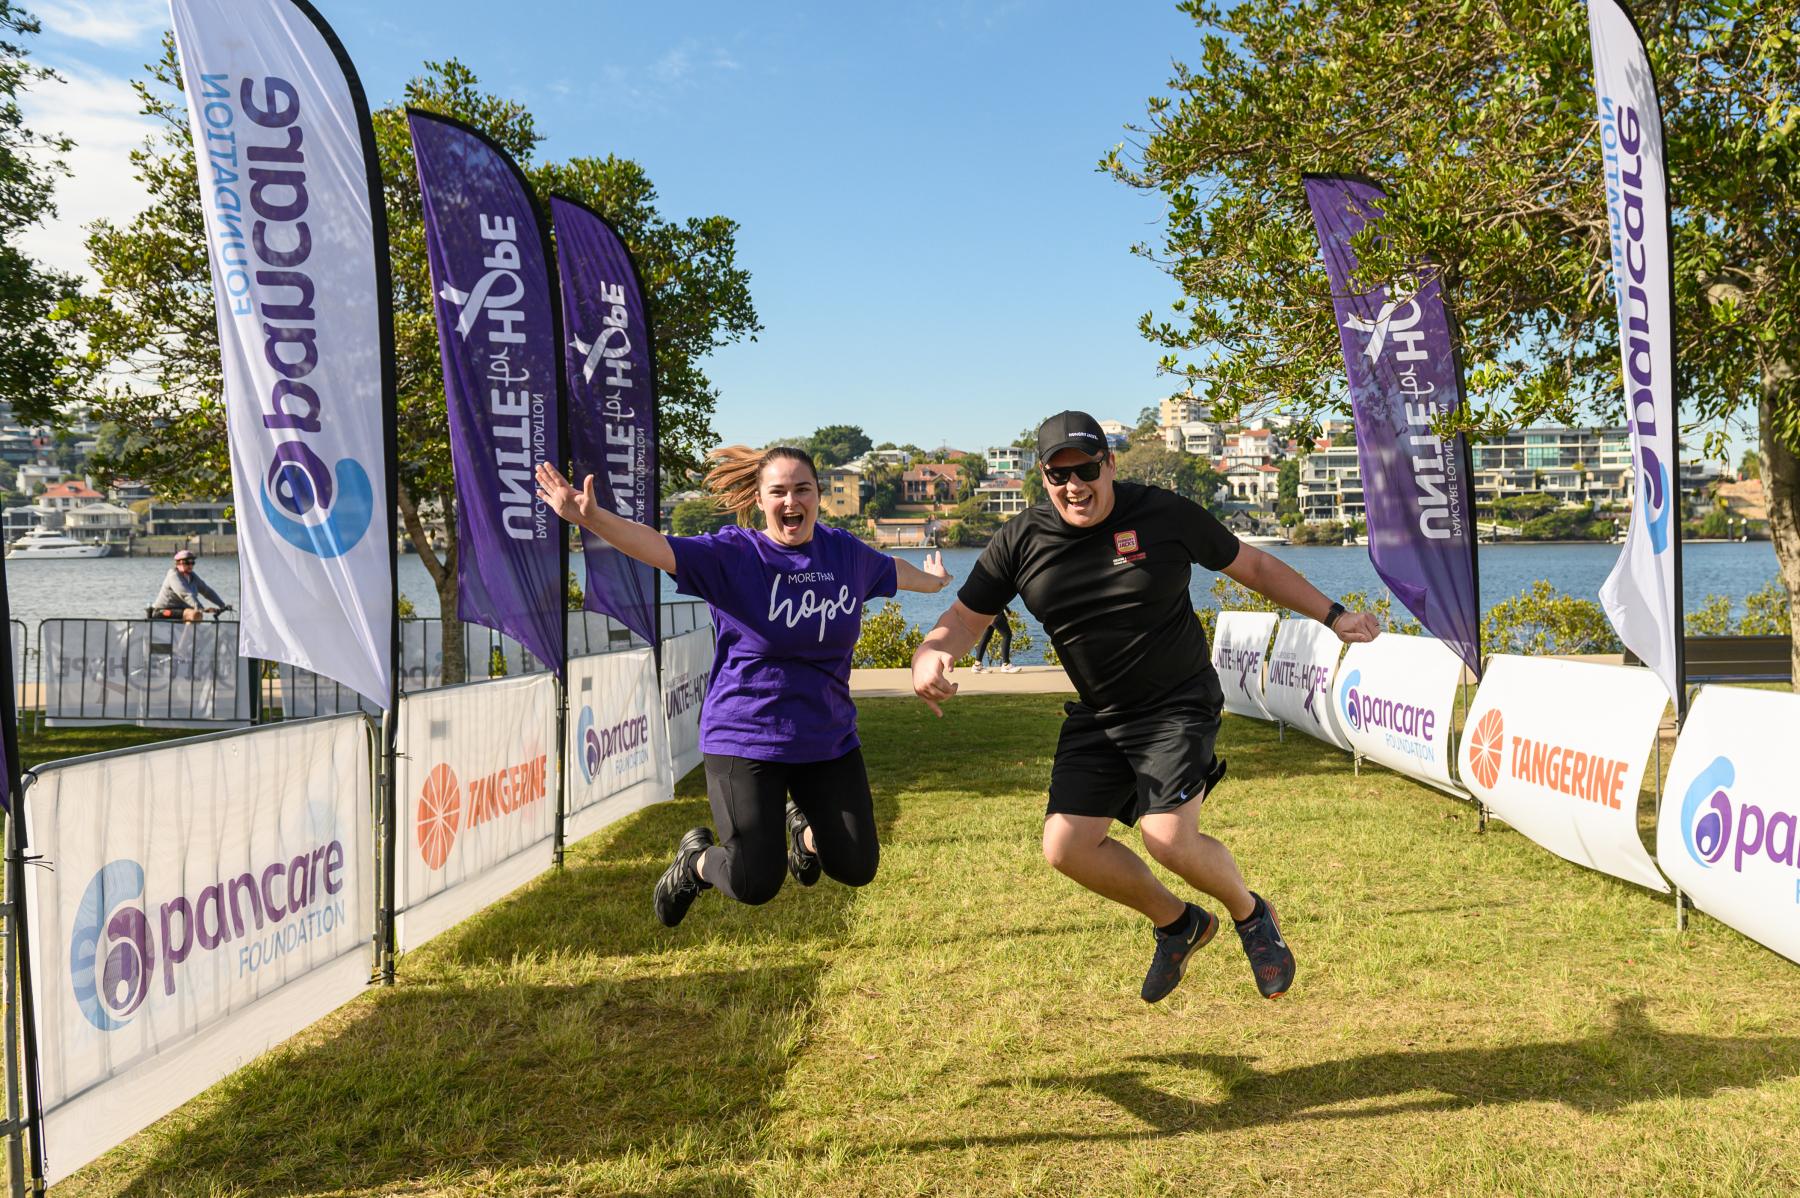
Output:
[[443, 577], [1781, 491]]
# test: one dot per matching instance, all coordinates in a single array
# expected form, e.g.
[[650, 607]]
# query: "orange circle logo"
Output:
[[440, 812], [1484, 748]]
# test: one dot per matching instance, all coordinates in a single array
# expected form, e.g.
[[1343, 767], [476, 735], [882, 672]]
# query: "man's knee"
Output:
[[1167, 841], [1066, 844]]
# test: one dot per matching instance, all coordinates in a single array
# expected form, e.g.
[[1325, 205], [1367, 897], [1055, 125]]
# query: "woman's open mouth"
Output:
[[792, 521]]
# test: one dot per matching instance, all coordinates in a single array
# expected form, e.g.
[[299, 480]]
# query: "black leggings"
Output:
[[1003, 626], [750, 809]]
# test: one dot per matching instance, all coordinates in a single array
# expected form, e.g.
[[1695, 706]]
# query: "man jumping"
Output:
[[1105, 566]]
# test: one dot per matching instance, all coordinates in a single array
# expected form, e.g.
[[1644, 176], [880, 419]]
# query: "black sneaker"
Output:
[[1174, 950], [803, 863], [1270, 958], [681, 884]]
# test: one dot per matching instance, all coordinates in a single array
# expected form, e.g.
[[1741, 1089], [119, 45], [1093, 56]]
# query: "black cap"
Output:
[[1070, 430]]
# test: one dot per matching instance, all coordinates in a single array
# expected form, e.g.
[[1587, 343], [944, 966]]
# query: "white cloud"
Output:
[[100, 113], [109, 22]]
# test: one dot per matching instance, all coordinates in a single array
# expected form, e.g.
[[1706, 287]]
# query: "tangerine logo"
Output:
[[440, 814], [1485, 747], [508, 789]]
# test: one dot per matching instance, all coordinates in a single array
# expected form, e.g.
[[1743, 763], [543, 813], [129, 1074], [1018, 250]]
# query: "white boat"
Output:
[[1257, 538], [41, 542]]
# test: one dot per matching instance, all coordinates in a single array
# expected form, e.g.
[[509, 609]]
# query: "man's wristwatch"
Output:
[[1331, 616]]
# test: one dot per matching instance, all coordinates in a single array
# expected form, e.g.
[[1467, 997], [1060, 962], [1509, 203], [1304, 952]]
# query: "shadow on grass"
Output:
[[1629, 1063]]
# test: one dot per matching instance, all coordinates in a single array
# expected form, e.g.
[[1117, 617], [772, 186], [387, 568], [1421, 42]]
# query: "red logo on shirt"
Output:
[[1126, 541]]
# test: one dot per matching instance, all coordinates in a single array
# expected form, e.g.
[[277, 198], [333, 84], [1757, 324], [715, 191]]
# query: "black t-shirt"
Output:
[[1114, 597]]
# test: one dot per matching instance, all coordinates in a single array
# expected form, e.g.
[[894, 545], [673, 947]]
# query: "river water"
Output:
[[115, 587]]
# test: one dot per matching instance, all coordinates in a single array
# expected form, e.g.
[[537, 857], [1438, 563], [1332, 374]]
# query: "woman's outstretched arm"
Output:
[[641, 541], [930, 577]]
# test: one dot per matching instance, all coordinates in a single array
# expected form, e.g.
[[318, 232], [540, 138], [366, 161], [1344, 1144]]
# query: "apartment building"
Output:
[[840, 491], [1011, 460], [1002, 497]]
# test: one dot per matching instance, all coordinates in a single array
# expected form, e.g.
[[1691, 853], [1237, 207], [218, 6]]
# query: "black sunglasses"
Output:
[[1087, 472]]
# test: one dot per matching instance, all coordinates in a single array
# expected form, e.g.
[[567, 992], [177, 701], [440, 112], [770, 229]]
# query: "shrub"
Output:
[[1766, 612], [888, 642], [1711, 618], [1543, 621]]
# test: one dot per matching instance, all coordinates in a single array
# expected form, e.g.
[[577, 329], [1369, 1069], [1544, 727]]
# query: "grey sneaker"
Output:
[[1270, 958], [1174, 950], [681, 883]]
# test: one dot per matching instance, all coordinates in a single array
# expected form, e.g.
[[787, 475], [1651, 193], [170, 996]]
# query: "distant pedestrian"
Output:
[[784, 766], [1003, 625]]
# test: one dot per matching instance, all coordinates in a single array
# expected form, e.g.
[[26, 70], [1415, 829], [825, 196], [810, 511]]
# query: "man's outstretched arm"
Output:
[[954, 635], [1274, 579]]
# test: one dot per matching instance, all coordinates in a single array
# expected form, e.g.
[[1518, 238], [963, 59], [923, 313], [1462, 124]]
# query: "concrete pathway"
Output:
[[1030, 680]]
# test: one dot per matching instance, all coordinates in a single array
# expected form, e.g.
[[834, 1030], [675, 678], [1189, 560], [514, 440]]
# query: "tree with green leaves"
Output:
[[152, 362], [1479, 120], [1186, 474], [30, 345], [836, 444]]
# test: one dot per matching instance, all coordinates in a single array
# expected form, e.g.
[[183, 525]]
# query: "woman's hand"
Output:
[[934, 566], [556, 493]]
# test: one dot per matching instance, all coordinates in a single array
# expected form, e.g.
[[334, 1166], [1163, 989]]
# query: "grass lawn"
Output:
[[1471, 1016]]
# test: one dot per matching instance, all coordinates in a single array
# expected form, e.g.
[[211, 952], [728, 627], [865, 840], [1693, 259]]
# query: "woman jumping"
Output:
[[778, 730]]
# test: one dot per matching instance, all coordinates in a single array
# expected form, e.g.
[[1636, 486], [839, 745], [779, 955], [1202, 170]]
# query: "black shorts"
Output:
[[1127, 764]]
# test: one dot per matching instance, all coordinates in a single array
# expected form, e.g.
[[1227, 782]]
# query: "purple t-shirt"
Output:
[[784, 623]]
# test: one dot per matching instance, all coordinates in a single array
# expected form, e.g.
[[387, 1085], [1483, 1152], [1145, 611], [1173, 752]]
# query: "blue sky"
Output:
[[932, 253]]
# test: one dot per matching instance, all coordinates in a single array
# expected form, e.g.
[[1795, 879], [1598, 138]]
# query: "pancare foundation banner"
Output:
[[1642, 596], [1240, 643], [200, 903], [297, 239], [1731, 814], [1395, 697], [1557, 749], [618, 739]]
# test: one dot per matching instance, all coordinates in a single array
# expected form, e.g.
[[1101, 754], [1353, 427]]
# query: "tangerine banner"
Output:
[[618, 740], [1557, 749], [200, 903], [1730, 814], [1297, 684], [1240, 643], [477, 795], [1395, 697]]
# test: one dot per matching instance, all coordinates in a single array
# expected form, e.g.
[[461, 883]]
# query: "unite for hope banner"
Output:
[[1401, 364], [1730, 814], [618, 746], [1395, 697], [1557, 749], [203, 902], [1640, 595], [1297, 688], [496, 321], [687, 671], [477, 795], [1240, 642], [612, 403], [297, 239], [157, 673]]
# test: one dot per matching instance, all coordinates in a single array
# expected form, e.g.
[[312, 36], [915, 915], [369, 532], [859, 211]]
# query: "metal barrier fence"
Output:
[[158, 673], [167, 673]]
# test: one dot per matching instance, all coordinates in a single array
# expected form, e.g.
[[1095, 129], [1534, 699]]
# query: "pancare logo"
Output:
[[1709, 832], [629, 740], [441, 812], [1406, 727], [113, 954], [316, 508]]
